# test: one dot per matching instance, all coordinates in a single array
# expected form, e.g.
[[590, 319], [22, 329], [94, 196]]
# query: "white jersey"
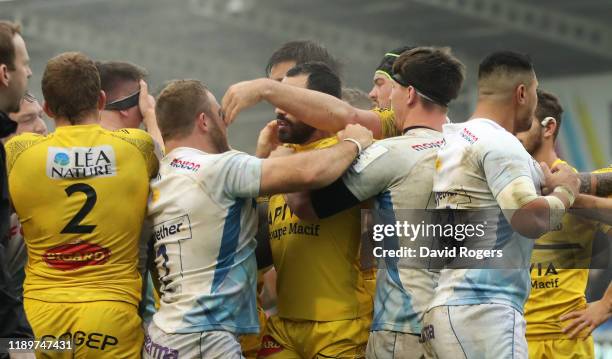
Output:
[[204, 224], [398, 172], [479, 159]]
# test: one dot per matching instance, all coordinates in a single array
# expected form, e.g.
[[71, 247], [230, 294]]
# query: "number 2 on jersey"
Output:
[[74, 225]]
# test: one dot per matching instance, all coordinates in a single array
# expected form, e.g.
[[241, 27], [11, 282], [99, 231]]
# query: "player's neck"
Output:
[[546, 153], [197, 142], [418, 117], [500, 112], [92, 119], [110, 121]]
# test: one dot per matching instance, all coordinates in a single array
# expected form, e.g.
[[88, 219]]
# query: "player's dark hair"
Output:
[[386, 64], [8, 30], [178, 105], [71, 86], [549, 106], [504, 61], [320, 77], [301, 52], [432, 71], [113, 74]]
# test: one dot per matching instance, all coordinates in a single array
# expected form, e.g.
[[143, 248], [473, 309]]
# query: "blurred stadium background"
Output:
[[225, 41]]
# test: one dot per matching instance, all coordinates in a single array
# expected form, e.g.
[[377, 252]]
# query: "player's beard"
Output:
[[219, 138], [293, 132]]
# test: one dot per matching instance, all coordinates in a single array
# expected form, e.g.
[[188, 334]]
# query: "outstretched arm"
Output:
[[317, 109]]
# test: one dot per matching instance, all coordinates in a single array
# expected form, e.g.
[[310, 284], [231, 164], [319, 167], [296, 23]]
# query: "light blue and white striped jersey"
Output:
[[479, 159], [204, 222], [398, 172]]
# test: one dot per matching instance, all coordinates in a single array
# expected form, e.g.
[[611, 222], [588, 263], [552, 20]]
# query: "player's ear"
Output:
[[201, 122], [47, 110], [412, 95], [101, 100], [521, 94], [4, 75], [550, 126]]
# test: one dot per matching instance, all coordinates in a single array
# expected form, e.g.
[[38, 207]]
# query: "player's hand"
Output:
[[358, 133], [282, 151], [242, 95], [595, 314], [146, 104], [561, 175], [267, 140]]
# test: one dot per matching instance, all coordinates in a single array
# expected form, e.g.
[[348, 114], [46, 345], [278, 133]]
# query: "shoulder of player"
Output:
[[24, 141], [132, 133]]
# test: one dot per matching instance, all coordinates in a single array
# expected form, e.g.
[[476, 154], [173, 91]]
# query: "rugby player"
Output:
[[69, 189], [382, 81], [333, 293], [128, 102], [296, 53], [14, 74], [203, 210], [315, 109], [29, 118], [128, 105], [561, 258], [479, 312]]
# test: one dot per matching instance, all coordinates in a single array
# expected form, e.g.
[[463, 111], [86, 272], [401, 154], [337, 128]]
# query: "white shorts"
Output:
[[474, 331], [208, 345], [384, 344]]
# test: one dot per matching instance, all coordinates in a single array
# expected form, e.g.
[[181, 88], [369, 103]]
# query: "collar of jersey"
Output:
[[77, 127], [324, 142]]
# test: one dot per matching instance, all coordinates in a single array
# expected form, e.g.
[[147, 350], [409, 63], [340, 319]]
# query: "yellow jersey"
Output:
[[81, 196], [319, 276], [387, 122], [556, 290]]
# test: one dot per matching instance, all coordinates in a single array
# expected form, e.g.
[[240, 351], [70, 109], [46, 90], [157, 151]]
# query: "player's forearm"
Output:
[[327, 165], [316, 109], [306, 170], [598, 184]]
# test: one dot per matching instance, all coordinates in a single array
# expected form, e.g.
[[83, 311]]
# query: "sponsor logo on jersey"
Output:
[[428, 145], [81, 162], [175, 229], [468, 136], [186, 165], [269, 346], [76, 255]]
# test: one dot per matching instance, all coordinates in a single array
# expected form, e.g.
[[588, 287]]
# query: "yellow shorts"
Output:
[[287, 339], [103, 329], [251, 343], [561, 348]]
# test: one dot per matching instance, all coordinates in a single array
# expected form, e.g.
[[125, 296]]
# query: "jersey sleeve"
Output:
[[242, 174], [145, 145], [367, 177], [387, 122], [503, 160]]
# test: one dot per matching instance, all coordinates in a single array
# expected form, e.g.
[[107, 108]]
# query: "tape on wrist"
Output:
[[570, 195], [556, 211], [359, 149]]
